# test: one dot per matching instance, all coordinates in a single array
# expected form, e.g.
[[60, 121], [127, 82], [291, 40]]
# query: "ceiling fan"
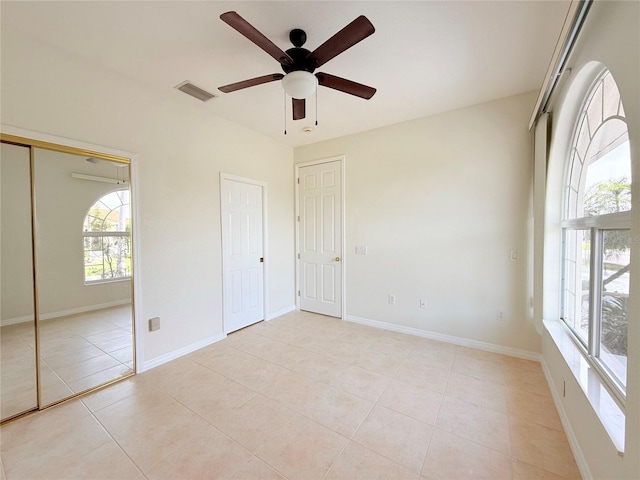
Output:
[[298, 63]]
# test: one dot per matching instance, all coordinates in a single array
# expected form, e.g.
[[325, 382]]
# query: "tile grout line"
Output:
[[297, 412], [350, 439], [114, 440], [424, 458], [179, 445], [274, 436], [207, 422]]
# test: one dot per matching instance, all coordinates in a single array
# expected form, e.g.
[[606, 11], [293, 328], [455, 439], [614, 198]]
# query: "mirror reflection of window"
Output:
[[107, 238]]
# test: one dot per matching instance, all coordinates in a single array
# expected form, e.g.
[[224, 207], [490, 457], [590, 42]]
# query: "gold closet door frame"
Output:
[[32, 144]]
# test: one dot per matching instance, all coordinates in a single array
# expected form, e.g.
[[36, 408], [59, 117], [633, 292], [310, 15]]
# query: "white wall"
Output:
[[610, 37], [440, 202], [182, 146]]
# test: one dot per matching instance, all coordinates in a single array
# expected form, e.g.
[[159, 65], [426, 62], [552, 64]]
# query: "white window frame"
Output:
[[596, 225]]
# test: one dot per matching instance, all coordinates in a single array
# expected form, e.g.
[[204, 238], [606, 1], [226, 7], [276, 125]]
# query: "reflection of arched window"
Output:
[[107, 238], [597, 237]]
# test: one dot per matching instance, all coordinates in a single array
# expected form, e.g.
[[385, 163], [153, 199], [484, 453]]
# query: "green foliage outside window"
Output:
[[611, 197]]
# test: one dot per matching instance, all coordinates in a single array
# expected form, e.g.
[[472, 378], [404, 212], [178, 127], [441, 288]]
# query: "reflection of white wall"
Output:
[[62, 203], [16, 265]]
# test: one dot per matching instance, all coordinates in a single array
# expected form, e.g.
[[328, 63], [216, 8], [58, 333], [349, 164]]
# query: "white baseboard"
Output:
[[167, 357], [465, 342], [280, 312], [15, 320], [63, 313], [581, 460]]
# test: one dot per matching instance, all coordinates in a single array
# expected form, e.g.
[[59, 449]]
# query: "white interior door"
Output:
[[243, 274], [320, 238]]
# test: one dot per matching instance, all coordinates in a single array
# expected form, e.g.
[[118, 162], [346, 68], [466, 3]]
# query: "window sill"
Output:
[[604, 405], [111, 280]]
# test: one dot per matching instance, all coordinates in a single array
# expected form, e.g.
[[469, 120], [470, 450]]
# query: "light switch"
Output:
[[154, 324]]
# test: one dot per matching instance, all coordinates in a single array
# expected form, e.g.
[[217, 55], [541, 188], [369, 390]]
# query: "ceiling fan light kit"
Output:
[[299, 84], [298, 63]]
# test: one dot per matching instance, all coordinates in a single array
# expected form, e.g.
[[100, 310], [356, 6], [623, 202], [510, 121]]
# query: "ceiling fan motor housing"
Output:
[[301, 60], [299, 55]]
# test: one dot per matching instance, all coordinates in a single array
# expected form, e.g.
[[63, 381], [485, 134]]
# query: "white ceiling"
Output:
[[425, 56]]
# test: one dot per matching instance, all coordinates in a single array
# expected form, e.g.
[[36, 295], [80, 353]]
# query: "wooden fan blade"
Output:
[[299, 108], [346, 38], [346, 86], [238, 23], [252, 82]]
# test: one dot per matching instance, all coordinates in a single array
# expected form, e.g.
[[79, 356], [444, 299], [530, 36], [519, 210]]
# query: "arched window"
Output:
[[596, 231], [107, 239]]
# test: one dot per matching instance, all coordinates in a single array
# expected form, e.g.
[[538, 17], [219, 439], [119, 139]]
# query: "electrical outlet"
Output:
[[392, 299], [361, 250], [500, 315], [154, 324], [423, 303]]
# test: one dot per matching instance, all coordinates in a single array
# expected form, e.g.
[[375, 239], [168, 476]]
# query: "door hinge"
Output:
[[298, 256], [298, 292], [298, 217], [298, 180], [261, 259]]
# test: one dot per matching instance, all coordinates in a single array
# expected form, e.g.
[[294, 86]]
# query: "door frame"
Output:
[[343, 270], [265, 243]]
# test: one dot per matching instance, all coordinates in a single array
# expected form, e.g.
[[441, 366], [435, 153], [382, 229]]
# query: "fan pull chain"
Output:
[[285, 112], [316, 106]]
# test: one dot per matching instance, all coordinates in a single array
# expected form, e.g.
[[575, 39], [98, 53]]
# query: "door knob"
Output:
[[337, 259]]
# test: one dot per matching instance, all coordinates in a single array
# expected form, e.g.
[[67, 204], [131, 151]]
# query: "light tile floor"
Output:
[[305, 397], [77, 352]]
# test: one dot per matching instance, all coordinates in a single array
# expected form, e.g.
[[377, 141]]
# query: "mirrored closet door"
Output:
[[81, 316], [18, 383]]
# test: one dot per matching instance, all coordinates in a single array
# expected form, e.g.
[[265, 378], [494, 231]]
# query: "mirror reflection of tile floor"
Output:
[[309, 397], [78, 352]]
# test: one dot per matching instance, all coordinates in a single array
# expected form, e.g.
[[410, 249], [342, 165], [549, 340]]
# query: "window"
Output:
[[107, 239], [596, 232]]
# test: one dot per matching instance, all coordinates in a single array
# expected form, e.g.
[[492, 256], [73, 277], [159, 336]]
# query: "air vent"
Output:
[[196, 92]]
